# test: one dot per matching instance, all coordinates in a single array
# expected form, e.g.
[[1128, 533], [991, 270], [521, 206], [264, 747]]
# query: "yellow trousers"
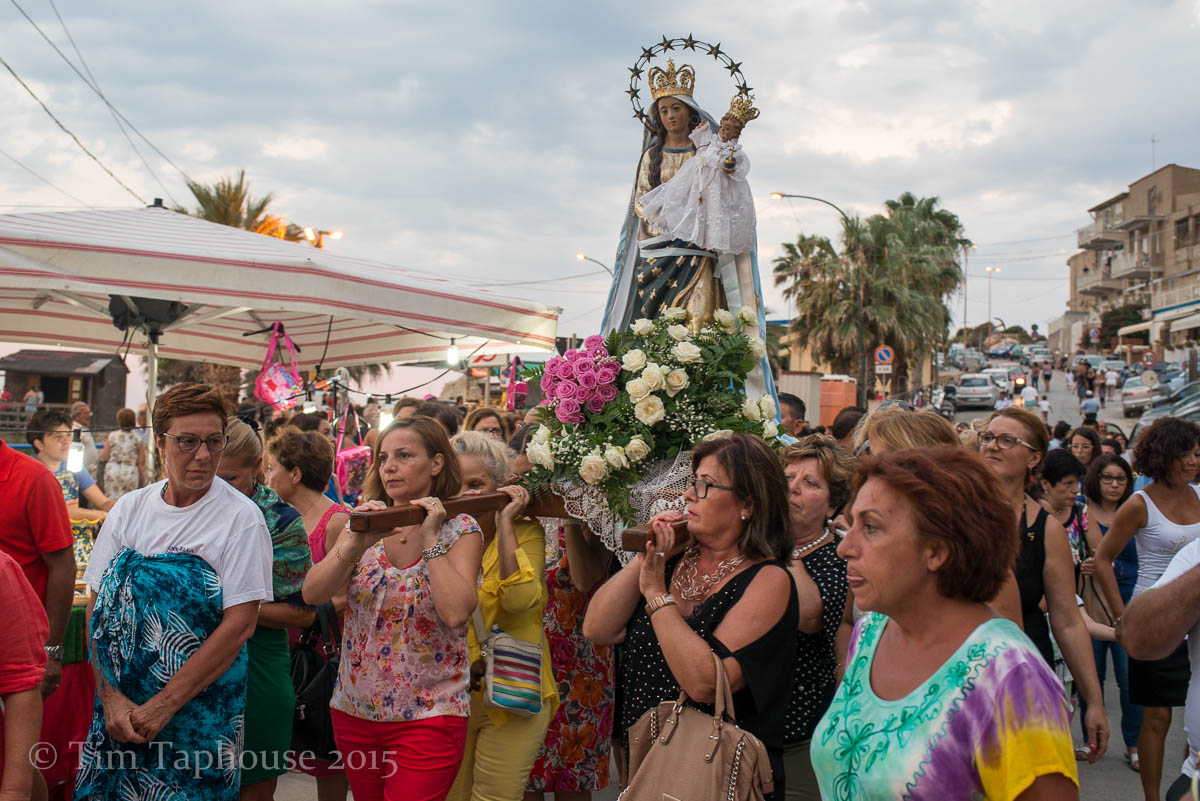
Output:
[[497, 760]]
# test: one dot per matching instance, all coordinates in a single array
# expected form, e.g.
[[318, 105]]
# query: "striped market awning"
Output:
[[62, 273]]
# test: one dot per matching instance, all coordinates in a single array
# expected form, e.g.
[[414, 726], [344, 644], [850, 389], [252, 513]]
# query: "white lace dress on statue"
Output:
[[702, 203]]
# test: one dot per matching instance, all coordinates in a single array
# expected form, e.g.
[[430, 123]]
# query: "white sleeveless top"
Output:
[[1158, 542]]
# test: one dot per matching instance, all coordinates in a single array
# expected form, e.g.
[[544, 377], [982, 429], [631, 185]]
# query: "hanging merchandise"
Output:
[[515, 390], [353, 461], [279, 384]]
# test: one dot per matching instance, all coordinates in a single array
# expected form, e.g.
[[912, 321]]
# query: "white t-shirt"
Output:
[[1187, 558], [224, 528], [1002, 403], [1112, 378], [1045, 407], [1029, 395]]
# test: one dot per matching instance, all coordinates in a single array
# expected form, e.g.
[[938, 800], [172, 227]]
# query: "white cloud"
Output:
[[295, 147]]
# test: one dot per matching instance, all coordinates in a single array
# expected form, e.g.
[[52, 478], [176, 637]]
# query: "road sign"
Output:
[[1094, 333], [883, 369], [1149, 359], [884, 355]]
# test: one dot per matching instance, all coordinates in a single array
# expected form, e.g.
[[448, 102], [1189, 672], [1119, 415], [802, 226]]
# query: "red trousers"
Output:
[[400, 761]]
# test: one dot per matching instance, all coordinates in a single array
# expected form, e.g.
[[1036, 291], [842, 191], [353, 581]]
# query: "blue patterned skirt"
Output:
[[151, 614]]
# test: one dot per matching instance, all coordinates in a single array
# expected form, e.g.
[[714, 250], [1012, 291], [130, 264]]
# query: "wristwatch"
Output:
[[54, 652], [434, 551], [658, 603]]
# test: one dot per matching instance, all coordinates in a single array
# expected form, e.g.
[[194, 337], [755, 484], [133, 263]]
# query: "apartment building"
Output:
[[1142, 245]]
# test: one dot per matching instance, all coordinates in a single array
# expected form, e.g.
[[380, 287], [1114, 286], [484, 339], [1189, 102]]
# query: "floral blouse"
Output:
[[986, 724], [399, 661]]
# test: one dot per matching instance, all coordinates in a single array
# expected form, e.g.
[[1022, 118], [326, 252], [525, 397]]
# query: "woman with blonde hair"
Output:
[[502, 745], [401, 702], [270, 700], [895, 428]]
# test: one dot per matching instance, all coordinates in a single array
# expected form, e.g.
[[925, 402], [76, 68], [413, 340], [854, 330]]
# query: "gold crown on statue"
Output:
[[741, 107], [672, 82]]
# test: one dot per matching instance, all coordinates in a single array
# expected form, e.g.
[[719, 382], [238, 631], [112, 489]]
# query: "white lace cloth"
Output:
[[661, 488], [702, 203]]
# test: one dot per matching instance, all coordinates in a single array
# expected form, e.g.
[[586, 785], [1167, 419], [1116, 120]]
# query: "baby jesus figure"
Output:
[[708, 201]]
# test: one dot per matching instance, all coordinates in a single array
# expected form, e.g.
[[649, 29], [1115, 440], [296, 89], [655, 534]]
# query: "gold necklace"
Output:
[[690, 585]]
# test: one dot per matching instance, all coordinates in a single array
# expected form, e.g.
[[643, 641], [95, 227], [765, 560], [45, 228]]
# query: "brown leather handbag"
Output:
[[678, 753]]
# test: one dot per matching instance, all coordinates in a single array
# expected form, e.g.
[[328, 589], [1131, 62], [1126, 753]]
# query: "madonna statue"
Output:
[[654, 271]]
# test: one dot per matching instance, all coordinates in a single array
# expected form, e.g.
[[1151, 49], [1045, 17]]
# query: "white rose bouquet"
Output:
[[642, 396]]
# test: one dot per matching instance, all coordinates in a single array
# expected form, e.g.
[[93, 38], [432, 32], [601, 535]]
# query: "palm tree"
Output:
[[909, 262]]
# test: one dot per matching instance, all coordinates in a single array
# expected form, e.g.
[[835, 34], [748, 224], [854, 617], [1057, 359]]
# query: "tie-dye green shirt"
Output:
[[985, 725], [291, 558]]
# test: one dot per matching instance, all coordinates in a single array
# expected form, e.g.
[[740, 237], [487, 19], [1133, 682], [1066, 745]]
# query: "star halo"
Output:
[[682, 43]]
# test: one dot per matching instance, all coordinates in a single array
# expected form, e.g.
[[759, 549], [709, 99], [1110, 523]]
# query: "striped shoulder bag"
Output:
[[512, 670]]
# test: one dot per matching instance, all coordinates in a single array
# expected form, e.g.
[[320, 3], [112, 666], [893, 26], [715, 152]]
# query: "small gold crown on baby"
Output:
[[672, 82], [742, 108]]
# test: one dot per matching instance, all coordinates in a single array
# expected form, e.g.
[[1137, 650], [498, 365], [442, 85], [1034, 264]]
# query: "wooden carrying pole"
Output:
[[383, 521], [408, 515]]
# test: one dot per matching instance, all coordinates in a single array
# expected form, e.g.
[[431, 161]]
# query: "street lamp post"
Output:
[[966, 253], [318, 237], [990, 270], [861, 399], [585, 257]]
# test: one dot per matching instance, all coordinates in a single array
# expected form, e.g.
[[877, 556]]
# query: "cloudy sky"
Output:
[[492, 141]]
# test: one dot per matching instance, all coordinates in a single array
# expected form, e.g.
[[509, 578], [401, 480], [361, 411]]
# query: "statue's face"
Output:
[[674, 114], [731, 128]]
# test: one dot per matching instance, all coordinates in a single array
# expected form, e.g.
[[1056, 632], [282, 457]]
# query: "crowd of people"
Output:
[[898, 607]]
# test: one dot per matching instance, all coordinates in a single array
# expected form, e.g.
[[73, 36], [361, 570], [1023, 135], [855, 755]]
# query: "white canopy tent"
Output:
[[63, 276]]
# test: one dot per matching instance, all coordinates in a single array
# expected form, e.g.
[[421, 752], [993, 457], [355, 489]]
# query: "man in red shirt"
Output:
[[35, 532]]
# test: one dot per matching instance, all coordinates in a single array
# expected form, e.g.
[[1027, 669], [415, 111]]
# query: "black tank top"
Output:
[[1030, 581]]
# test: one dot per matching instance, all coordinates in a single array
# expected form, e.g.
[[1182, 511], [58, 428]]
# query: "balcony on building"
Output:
[[1100, 235], [1137, 222], [1104, 231], [1134, 266], [1098, 282]]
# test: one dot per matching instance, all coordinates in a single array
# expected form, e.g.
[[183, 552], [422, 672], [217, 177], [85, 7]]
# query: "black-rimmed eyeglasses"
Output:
[[702, 486], [190, 444]]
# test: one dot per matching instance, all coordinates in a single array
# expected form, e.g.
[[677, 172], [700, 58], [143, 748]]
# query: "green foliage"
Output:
[[906, 262], [673, 390], [1113, 319]]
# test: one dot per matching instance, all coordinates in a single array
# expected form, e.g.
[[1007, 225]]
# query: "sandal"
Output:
[[1132, 758]]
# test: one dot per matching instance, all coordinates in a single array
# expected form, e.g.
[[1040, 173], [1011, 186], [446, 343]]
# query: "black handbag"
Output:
[[314, 674]]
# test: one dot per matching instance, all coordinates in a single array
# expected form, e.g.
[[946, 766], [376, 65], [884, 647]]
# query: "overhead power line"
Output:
[[46, 181], [100, 94], [96, 85], [67, 131]]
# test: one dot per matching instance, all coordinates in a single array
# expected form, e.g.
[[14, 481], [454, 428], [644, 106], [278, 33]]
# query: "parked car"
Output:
[[1179, 409], [977, 389], [973, 361], [1041, 356], [1000, 376], [1184, 393], [1001, 351], [1135, 396]]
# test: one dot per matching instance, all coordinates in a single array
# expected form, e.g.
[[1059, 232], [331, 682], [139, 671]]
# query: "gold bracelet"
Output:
[[337, 552]]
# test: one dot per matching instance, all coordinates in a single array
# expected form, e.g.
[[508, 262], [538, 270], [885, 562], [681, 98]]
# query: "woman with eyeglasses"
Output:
[[722, 588], [1084, 443], [1109, 484], [179, 570], [1163, 517], [487, 420], [1014, 447]]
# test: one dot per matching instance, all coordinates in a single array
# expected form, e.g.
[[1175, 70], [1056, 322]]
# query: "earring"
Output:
[[743, 518]]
